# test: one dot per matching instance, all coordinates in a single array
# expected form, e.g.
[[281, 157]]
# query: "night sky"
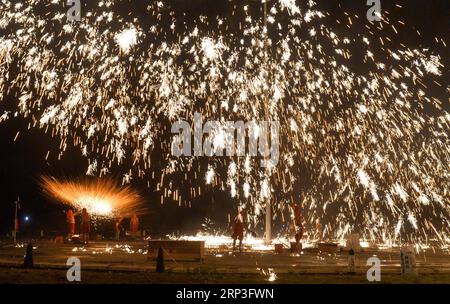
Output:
[[23, 160]]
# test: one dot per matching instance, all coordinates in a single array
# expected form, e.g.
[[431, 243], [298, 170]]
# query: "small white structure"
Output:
[[408, 261]]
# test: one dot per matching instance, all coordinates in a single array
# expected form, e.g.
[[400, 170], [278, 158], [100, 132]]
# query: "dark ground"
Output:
[[55, 276], [127, 262]]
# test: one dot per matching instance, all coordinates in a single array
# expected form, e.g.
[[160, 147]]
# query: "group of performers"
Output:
[[119, 229], [296, 229], [85, 225]]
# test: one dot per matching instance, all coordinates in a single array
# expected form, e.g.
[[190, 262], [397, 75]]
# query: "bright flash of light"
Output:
[[101, 198], [126, 39]]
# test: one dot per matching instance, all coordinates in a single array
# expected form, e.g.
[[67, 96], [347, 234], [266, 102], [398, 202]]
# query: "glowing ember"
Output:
[[103, 198]]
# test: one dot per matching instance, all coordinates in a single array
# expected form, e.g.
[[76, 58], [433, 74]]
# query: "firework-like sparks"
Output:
[[370, 148], [102, 198]]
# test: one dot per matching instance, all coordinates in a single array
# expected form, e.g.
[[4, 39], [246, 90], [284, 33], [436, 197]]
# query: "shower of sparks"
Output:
[[101, 198], [371, 148], [126, 39]]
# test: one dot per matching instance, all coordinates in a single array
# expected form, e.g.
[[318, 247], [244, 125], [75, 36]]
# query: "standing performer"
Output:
[[238, 229], [134, 224], [118, 228], [318, 230], [70, 219], [297, 220], [85, 225]]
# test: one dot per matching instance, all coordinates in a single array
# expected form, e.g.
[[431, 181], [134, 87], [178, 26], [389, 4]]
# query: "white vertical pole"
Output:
[[268, 234]]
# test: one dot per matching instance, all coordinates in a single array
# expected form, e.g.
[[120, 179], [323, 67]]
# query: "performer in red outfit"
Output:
[[134, 224], [70, 219], [85, 225], [297, 225], [238, 229]]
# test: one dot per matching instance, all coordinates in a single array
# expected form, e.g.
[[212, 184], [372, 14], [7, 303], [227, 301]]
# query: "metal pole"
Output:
[[15, 225], [268, 234]]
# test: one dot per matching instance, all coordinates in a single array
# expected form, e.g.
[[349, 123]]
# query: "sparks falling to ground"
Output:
[[360, 150], [101, 198]]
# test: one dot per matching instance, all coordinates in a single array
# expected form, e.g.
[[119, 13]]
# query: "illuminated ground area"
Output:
[[113, 262], [53, 276]]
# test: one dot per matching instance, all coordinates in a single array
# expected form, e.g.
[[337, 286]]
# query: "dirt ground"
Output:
[[119, 263], [55, 276]]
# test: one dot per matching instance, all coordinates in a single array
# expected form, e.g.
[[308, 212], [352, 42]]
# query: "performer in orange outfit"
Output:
[[70, 219], [134, 224], [85, 225]]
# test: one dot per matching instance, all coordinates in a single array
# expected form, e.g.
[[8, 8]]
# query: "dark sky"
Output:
[[23, 161]]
